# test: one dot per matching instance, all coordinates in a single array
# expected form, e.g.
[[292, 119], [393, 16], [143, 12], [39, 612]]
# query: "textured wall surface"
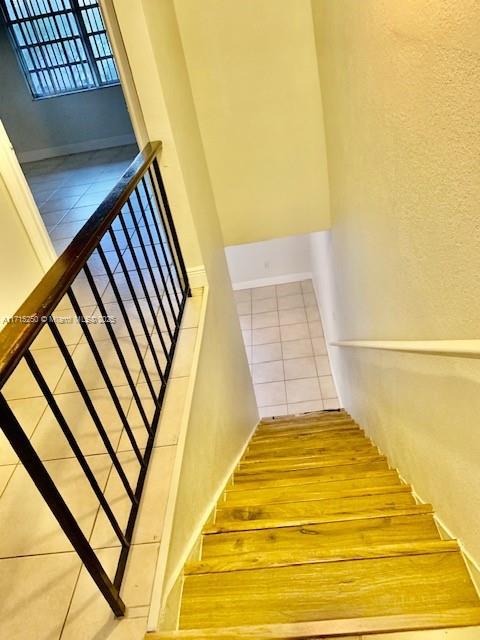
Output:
[[254, 80], [401, 94]]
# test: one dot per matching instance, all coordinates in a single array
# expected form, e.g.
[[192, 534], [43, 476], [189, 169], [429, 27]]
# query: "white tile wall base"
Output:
[[76, 147], [285, 346], [263, 282]]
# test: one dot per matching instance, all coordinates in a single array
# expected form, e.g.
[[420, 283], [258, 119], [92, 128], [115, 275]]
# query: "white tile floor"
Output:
[[286, 349], [45, 593], [68, 189]]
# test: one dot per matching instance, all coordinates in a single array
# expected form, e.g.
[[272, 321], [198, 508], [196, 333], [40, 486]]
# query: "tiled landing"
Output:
[[45, 593], [286, 349], [68, 189]]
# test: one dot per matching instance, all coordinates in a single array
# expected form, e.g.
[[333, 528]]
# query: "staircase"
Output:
[[316, 536]]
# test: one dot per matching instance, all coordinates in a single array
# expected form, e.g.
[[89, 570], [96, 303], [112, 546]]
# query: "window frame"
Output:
[[90, 63]]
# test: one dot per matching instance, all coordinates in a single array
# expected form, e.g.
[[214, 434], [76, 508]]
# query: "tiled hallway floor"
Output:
[[286, 349], [68, 189], [45, 592]]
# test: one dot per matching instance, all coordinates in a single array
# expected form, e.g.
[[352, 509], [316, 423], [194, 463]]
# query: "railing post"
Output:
[[49, 492]]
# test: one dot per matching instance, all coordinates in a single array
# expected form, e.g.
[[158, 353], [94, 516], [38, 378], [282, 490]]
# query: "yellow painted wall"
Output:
[[22, 264], [401, 95], [20, 268], [224, 408], [254, 80]]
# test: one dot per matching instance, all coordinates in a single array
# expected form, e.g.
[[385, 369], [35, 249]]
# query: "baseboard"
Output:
[[447, 534], [75, 147], [266, 282], [197, 277]]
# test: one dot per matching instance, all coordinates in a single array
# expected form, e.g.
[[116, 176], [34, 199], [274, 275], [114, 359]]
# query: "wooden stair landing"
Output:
[[316, 537]]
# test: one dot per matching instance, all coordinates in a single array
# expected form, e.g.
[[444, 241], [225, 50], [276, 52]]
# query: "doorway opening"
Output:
[[63, 108]]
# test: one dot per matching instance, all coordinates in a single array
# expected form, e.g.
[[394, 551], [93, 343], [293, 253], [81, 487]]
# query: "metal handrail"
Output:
[[140, 198]]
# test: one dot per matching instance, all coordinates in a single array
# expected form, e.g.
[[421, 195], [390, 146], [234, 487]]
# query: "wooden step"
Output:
[[280, 478], [294, 450], [312, 427], [314, 630], [270, 429], [308, 539], [311, 491], [307, 462], [319, 555], [314, 511], [305, 439], [312, 416], [359, 588]]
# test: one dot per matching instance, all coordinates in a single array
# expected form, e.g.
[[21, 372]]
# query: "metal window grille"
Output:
[[62, 45]]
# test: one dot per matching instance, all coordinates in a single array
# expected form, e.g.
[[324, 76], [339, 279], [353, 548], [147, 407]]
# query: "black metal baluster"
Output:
[[158, 209], [136, 303], [49, 492], [90, 406], [128, 324], [98, 359], [60, 418], [117, 348], [153, 245], [149, 267], [171, 225]]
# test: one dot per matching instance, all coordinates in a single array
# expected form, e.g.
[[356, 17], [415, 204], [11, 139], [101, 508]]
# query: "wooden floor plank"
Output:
[[313, 491], [325, 474], [361, 588], [308, 538], [285, 514]]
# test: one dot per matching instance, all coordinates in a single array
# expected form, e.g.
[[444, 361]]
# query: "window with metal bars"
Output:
[[62, 45]]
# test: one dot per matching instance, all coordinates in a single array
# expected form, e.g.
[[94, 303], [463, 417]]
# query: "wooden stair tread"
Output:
[[308, 538], [314, 511], [294, 476], [311, 415], [320, 555], [303, 439], [344, 424], [386, 586], [291, 450], [459, 617], [339, 424], [316, 536], [308, 491], [306, 462]]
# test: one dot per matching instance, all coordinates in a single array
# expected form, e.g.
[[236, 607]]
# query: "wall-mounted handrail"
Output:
[[446, 348], [133, 239]]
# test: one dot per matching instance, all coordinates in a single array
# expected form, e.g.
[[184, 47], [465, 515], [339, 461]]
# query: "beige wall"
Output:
[[401, 89], [20, 268], [25, 249], [254, 80], [224, 409]]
